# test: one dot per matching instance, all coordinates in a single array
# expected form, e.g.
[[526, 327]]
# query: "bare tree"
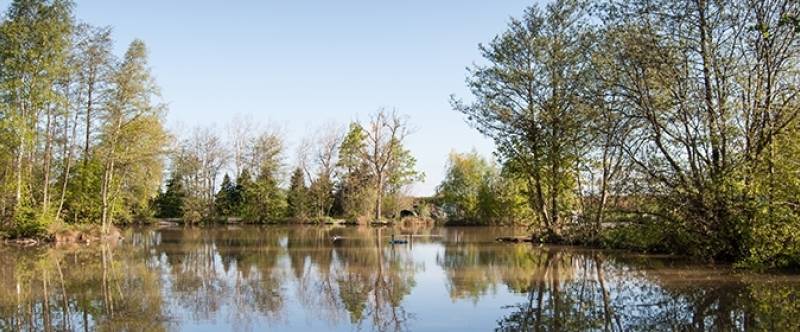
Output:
[[385, 133], [325, 152], [199, 160], [241, 131]]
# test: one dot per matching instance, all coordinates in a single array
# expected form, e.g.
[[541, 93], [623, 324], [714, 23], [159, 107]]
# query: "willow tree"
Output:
[[530, 99]]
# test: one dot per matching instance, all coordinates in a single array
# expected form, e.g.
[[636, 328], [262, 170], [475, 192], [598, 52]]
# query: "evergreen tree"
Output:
[[264, 201], [297, 198], [244, 182], [169, 204], [224, 199]]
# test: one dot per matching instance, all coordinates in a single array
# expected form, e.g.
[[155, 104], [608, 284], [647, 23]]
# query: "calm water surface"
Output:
[[296, 279]]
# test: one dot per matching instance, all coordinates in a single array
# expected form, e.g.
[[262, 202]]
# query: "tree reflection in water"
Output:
[[246, 277], [587, 291], [82, 288], [362, 283]]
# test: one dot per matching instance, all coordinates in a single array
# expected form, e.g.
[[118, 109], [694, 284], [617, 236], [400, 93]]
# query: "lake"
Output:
[[295, 278]]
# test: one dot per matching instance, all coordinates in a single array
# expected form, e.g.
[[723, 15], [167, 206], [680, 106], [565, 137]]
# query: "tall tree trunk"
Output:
[[67, 162], [108, 178], [89, 101], [48, 151], [379, 198], [603, 190], [20, 153]]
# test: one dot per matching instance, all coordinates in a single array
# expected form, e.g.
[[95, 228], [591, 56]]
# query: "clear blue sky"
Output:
[[300, 64]]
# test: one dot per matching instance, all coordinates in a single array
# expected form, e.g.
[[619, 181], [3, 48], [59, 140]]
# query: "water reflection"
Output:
[[296, 278], [96, 288]]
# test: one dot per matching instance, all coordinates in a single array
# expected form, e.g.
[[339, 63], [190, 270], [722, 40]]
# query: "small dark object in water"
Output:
[[398, 241], [513, 239], [337, 239]]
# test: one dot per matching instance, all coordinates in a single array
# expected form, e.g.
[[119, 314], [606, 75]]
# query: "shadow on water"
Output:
[[289, 278]]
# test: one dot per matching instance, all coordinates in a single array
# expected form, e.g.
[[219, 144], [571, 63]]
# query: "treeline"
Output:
[[668, 125], [360, 173], [83, 141], [81, 130]]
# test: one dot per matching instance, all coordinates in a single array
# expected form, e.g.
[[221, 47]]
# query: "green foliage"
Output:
[[475, 191], [140, 168], [264, 201], [531, 102], [640, 121], [773, 232], [351, 148], [28, 223], [48, 80], [402, 170], [320, 196], [243, 183], [464, 190], [34, 46], [297, 197], [645, 237], [223, 200], [82, 203], [169, 204], [353, 197]]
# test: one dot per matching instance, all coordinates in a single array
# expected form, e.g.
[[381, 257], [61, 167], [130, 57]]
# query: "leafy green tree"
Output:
[[35, 39], [132, 139], [402, 171], [353, 195], [530, 99], [707, 139], [264, 201], [474, 190], [297, 197], [466, 177], [82, 204]]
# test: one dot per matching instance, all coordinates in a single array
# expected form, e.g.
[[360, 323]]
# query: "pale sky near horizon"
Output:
[[299, 64]]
